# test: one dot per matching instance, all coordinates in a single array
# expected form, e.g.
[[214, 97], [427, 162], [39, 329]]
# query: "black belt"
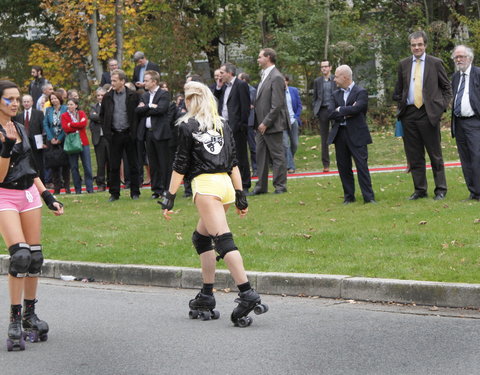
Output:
[[465, 117]]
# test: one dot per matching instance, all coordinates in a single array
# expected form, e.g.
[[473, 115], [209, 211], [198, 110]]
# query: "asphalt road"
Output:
[[118, 329]]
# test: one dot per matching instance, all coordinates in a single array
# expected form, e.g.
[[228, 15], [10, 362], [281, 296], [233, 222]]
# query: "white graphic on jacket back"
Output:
[[212, 141]]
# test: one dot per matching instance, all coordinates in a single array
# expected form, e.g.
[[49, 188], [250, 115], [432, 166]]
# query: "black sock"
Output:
[[207, 289], [244, 287]]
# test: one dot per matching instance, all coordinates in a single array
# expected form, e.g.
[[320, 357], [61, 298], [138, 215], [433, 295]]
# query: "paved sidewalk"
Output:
[[294, 284]]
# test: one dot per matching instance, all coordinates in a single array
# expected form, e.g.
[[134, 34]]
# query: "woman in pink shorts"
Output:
[[206, 152], [20, 220]]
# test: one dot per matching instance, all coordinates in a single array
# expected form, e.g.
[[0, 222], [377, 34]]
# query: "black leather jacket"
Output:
[[22, 169], [204, 152]]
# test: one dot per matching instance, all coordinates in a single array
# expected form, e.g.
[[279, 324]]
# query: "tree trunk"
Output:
[[94, 49], [119, 31], [83, 80], [327, 31]]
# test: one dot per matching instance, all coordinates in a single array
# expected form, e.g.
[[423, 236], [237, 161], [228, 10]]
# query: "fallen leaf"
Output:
[[423, 222], [301, 203], [307, 236], [333, 220], [476, 221]]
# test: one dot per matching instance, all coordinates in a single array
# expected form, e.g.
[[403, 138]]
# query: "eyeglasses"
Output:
[[460, 57]]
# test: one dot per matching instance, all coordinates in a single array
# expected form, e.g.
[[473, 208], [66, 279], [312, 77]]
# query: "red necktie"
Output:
[[27, 122]]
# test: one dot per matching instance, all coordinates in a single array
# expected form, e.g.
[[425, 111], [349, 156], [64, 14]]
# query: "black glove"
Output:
[[167, 200], [50, 199], [240, 200], [7, 147]]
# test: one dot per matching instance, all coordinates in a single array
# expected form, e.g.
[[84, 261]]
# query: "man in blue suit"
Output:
[[290, 135], [350, 134], [466, 117]]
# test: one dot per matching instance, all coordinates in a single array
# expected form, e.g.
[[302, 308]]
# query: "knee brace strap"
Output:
[[224, 244], [202, 243], [20, 257], [36, 261]]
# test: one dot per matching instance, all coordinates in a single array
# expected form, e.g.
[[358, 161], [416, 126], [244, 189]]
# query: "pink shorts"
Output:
[[20, 200]]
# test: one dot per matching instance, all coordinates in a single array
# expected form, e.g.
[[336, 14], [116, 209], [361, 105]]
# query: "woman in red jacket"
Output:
[[72, 121]]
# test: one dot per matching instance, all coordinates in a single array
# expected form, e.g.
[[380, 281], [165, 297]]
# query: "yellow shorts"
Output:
[[216, 184]]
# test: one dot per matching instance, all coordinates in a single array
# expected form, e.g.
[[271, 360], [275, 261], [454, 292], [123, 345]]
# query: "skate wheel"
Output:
[[193, 314], [21, 344], [44, 337], [215, 314], [244, 321], [260, 309], [9, 345], [205, 315], [33, 336]]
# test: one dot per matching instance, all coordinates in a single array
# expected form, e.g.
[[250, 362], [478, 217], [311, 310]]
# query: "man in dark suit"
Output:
[[119, 125], [251, 119], [350, 134], [423, 92], [100, 143], [112, 65], [323, 87], [142, 65], [271, 119], [154, 129], [466, 117], [234, 106], [290, 136], [32, 119], [35, 87]]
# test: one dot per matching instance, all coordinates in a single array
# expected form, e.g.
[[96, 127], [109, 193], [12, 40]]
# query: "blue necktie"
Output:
[[457, 108]]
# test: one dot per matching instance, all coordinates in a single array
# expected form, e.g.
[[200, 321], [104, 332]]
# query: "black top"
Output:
[[22, 169], [204, 152]]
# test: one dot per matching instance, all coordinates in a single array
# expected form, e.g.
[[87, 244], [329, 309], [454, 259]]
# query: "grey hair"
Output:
[[418, 34], [468, 51], [345, 69]]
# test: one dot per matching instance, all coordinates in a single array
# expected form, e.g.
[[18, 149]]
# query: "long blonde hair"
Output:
[[202, 107]]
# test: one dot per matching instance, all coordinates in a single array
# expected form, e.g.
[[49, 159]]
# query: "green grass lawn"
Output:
[[307, 230]]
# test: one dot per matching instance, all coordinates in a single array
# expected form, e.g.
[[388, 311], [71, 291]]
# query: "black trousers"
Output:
[[345, 151], [467, 134], [420, 135], [241, 146], [102, 154], [324, 124], [159, 159], [121, 142]]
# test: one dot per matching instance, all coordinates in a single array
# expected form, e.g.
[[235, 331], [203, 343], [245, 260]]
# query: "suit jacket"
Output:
[[253, 96], [473, 92], [238, 104], [296, 103], [51, 131], [95, 123], [106, 78], [270, 105], [437, 92], [318, 92], [108, 106], [354, 112], [136, 71], [159, 117], [35, 125]]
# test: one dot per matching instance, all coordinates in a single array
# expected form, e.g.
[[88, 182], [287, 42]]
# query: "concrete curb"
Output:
[[328, 286]]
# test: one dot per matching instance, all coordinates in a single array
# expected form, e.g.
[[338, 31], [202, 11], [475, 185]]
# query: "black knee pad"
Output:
[[20, 257], [36, 261], [224, 244], [202, 243]]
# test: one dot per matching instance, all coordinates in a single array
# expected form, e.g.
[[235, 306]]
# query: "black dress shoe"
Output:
[[373, 201], [135, 197], [255, 192], [416, 196], [113, 198], [280, 191], [155, 196], [439, 197], [348, 201]]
